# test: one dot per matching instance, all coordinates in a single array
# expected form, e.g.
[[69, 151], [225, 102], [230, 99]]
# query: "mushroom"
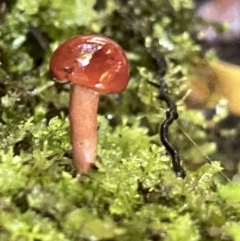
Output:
[[94, 65]]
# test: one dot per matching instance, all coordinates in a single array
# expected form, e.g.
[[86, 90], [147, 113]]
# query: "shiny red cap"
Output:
[[93, 61]]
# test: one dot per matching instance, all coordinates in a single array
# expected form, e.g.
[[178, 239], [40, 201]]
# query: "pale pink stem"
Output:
[[83, 126]]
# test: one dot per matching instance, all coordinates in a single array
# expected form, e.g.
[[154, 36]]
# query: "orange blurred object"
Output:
[[214, 81]]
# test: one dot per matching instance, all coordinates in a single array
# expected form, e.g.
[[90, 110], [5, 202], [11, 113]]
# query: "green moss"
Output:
[[134, 194]]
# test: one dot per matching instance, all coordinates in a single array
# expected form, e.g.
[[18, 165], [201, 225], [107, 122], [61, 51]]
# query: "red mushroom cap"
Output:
[[92, 61]]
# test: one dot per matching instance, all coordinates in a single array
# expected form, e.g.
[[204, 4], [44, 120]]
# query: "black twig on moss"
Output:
[[171, 115]]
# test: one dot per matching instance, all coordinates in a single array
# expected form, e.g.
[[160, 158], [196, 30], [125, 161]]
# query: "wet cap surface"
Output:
[[93, 61]]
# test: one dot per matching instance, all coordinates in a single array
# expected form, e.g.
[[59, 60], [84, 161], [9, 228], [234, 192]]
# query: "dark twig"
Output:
[[171, 115]]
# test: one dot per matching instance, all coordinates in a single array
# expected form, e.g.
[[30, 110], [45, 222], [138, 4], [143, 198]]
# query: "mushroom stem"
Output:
[[83, 126]]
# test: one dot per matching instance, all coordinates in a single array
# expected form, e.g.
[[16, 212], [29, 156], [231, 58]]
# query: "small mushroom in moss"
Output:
[[94, 65]]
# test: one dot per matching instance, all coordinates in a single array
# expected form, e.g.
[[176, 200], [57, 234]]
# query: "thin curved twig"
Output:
[[171, 115]]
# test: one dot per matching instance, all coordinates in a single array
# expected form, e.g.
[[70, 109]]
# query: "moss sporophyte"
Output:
[[94, 65]]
